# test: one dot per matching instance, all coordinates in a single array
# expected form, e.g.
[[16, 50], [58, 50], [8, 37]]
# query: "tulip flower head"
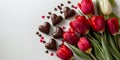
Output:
[[113, 26], [80, 25], [84, 45], [70, 37], [86, 7], [64, 53], [98, 23], [105, 7]]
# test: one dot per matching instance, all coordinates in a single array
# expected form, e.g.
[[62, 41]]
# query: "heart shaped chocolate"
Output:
[[51, 45], [68, 12], [56, 19], [58, 34], [45, 28]]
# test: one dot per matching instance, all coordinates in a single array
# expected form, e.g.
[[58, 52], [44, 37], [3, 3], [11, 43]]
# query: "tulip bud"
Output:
[[98, 23], [70, 37], [113, 26], [106, 7], [80, 25], [64, 53], [86, 7], [84, 45]]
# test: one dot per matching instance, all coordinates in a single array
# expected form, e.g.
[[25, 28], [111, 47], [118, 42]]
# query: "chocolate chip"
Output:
[[69, 2], [72, 6], [37, 33], [55, 9], [56, 19], [40, 35], [47, 51], [59, 7], [62, 4], [49, 13], [45, 28], [48, 17], [44, 42], [61, 12]]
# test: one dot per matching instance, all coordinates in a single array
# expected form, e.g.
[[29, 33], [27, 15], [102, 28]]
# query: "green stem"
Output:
[[105, 47], [116, 41], [94, 58]]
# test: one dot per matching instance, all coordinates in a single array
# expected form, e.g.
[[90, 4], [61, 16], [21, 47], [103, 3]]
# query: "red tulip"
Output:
[[80, 25], [70, 37], [84, 44], [64, 53], [98, 23], [86, 7], [113, 26]]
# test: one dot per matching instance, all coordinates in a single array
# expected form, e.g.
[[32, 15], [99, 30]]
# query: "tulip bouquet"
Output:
[[92, 36]]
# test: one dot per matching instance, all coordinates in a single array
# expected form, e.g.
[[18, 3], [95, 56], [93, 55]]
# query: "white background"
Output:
[[19, 20]]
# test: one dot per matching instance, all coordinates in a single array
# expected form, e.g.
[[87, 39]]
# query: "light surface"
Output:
[[19, 20]]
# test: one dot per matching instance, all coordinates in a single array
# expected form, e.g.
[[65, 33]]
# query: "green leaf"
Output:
[[98, 7], [98, 37], [114, 53], [119, 44], [113, 48], [112, 2], [80, 53], [105, 48], [98, 50]]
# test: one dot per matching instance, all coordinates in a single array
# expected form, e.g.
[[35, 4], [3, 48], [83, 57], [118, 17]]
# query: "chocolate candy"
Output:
[[68, 12], [51, 45], [69, 2], [58, 34], [45, 28], [56, 19], [59, 7]]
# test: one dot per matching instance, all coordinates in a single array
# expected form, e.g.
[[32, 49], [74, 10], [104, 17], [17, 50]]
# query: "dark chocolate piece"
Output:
[[55, 9], [37, 33], [48, 17], [62, 4], [59, 7], [40, 35], [59, 32], [56, 19], [45, 28], [72, 6], [44, 42], [47, 51], [69, 2], [51, 45], [68, 12], [49, 13], [61, 12]]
